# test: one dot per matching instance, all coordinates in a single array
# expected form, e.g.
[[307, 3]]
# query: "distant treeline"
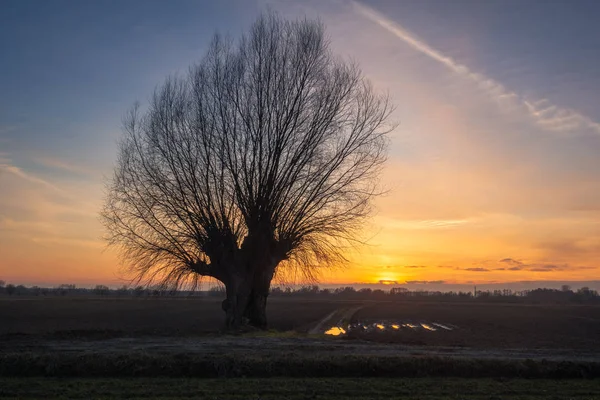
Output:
[[565, 295], [584, 295]]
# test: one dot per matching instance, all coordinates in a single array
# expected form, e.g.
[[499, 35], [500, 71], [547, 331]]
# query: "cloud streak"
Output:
[[424, 224], [546, 115], [7, 166], [510, 264], [56, 163]]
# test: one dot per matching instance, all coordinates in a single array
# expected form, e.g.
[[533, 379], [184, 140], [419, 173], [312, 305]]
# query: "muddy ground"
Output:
[[192, 326], [266, 346]]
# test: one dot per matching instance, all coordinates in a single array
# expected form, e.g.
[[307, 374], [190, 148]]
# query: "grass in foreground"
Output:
[[297, 364], [298, 388]]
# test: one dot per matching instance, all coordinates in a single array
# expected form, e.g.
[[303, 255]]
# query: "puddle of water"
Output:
[[429, 327], [387, 326], [335, 331], [442, 326]]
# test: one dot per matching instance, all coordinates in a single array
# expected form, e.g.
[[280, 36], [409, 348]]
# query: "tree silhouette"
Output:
[[10, 289], [101, 290], [264, 156]]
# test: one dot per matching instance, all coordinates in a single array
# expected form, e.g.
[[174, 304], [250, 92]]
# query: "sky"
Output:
[[493, 171]]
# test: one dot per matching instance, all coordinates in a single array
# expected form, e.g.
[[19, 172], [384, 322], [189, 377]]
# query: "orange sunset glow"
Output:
[[488, 181]]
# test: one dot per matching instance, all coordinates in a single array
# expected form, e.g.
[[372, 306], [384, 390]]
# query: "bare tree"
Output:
[[264, 156], [10, 289]]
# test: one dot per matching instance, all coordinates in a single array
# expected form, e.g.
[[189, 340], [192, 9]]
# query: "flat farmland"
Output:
[[472, 325], [480, 325], [181, 337], [167, 316]]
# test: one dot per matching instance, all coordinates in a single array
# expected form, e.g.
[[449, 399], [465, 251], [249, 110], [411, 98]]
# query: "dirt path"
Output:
[[320, 326], [339, 317]]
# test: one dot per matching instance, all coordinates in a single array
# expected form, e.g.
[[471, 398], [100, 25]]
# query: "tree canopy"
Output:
[[265, 154]]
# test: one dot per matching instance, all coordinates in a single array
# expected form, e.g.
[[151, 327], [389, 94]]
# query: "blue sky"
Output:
[[71, 68], [549, 49], [495, 156]]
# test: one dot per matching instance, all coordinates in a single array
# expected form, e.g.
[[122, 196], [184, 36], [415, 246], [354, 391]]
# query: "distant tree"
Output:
[[565, 288], [310, 290], [586, 293], [347, 291], [101, 290], [265, 156], [10, 289], [139, 291], [65, 288], [398, 291], [123, 290], [2, 284]]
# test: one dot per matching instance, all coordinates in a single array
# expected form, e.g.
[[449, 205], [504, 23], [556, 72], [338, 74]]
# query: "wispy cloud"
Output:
[[7, 167], [423, 224], [437, 223], [63, 165], [548, 116], [510, 264]]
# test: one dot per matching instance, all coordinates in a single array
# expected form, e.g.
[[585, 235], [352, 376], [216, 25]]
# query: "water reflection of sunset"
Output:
[[387, 326], [335, 331]]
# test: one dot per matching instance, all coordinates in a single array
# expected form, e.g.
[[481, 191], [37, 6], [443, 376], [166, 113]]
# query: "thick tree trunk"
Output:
[[246, 301], [250, 281], [238, 292], [256, 310]]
